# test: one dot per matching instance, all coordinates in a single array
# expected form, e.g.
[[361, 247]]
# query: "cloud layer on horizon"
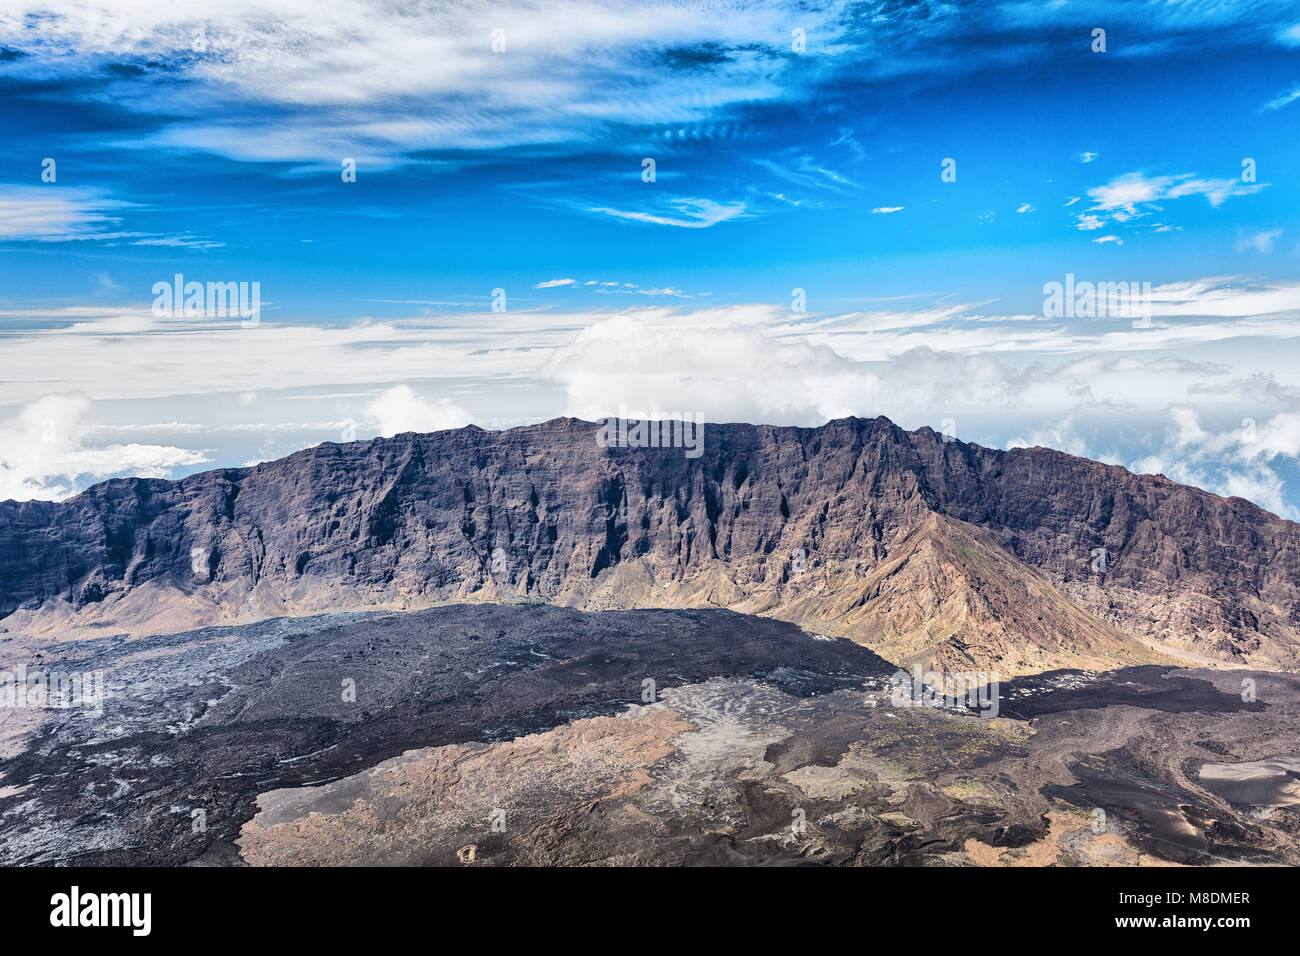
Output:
[[1001, 379]]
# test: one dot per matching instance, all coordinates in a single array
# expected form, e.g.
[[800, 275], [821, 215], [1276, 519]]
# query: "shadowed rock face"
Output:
[[997, 548]]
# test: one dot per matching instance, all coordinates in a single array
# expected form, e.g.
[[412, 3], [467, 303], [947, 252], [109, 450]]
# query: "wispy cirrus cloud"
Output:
[[1133, 195], [1261, 241], [687, 213], [1282, 99], [53, 213], [607, 287], [313, 80], [803, 170]]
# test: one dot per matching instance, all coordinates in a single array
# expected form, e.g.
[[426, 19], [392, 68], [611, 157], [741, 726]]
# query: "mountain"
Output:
[[925, 549], [950, 597]]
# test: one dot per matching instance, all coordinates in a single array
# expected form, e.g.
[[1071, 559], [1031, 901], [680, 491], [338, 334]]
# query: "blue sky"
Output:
[[207, 140]]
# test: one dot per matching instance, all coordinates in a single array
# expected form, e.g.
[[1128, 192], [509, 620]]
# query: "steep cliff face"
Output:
[[997, 550]]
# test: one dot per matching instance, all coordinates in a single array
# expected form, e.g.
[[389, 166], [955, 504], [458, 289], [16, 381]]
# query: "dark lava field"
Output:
[[536, 735]]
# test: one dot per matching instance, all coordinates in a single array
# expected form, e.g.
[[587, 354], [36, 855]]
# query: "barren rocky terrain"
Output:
[[925, 549], [484, 735], [474, 648]]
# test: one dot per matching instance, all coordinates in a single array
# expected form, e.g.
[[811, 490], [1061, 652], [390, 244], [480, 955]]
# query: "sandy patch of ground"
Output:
[[426, 804], [1070, 837]]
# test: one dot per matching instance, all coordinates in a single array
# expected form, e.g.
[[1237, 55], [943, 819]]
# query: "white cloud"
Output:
[[1061, 436], [43, 452], [1129, 196], [180, 242], [1283, 99], [691, 213], [727, 373], [1225, 298], [311, 79], [618, 288], [887, 209], [1232, 461], [82, 348], [402, 409], [1214, 190], [802, 170], [1261, 241], [1124, 193], [1279, 435], [756, 362], [54, 213]]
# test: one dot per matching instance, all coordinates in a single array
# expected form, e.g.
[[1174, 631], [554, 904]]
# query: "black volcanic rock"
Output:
[[773, 520], [625, 738], [198, 720]]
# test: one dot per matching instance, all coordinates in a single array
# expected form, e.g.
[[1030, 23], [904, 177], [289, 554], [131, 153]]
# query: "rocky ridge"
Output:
[[927, 549]]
